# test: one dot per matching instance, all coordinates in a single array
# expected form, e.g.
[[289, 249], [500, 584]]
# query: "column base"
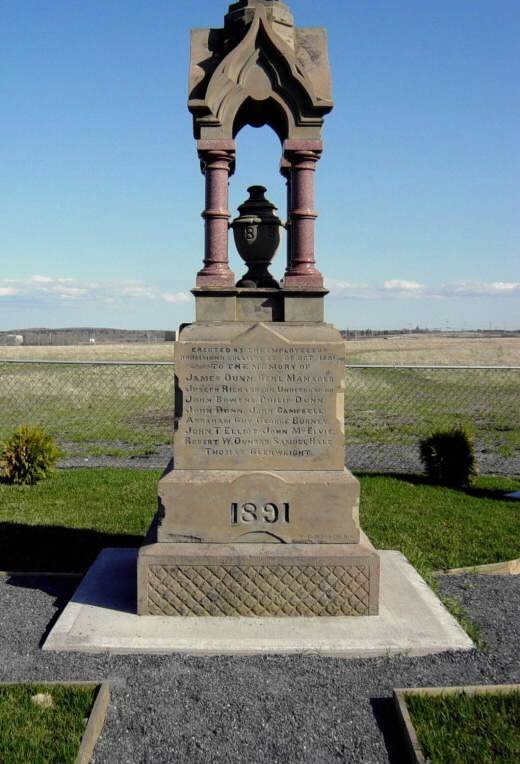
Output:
[[226, 279], [303, 280]]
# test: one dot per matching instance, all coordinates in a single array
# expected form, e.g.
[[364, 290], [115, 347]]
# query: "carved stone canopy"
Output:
[[259, 69]]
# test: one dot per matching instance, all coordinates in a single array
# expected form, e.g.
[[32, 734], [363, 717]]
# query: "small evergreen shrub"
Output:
[[29, 455], [448, 457]]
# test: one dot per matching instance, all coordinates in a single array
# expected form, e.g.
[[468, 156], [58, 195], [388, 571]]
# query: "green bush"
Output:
[[28, 456], [448, 457]]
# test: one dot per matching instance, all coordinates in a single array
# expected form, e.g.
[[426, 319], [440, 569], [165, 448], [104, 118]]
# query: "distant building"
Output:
[[14, 340]]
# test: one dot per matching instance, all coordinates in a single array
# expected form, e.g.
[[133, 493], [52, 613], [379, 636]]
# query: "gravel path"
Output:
[[381, 457], [266, 709]]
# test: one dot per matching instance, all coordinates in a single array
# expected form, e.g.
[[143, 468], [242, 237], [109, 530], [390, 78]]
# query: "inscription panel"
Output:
[[260, 406]]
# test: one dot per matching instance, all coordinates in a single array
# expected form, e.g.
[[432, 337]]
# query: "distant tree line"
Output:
[[357, 334], [86, 336]]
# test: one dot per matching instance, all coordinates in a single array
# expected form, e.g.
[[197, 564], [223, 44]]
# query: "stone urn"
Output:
[[257, 237]]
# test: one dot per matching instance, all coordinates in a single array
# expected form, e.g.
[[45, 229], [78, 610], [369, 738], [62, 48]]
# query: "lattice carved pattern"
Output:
[[255, 591]]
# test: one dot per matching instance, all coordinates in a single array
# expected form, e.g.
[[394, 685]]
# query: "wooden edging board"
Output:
[[509, 568], [96, 718], [412, 741]]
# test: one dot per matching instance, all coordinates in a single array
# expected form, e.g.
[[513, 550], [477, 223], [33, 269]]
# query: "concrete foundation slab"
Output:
[[101, 617]]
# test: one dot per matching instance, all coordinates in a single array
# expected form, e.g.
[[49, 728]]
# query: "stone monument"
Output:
[[258, 516]]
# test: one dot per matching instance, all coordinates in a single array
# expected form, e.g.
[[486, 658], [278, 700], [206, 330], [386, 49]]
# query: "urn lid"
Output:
[[257, 206]]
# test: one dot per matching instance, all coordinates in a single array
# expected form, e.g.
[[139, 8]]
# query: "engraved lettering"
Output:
[[259, 403], [249, 513], [269, 513]]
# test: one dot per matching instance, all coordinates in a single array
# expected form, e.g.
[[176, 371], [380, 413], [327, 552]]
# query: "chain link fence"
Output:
[[390, 408], [121, 413]]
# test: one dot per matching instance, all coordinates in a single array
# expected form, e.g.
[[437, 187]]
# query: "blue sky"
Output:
[[418, 189]]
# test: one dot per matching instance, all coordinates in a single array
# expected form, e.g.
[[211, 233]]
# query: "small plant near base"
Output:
[[28, 456], [448, 457]]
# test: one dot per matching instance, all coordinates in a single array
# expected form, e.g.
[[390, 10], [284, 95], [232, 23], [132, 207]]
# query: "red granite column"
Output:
[[285, 170], [217, 161], [303, 157]]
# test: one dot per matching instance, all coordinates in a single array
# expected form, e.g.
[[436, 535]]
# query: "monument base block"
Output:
[[258, 580], [226, 506]]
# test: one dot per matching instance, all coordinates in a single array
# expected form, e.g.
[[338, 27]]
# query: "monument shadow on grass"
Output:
[[55, 549], [415, 479]]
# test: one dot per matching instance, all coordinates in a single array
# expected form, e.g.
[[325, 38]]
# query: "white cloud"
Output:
[[506, 286], [400, 285], [139, 292], [177, 298], [42, 279], [64, 289], [338, 284], [346, 289], [45, 288], [404, 289], [70, 293], [483, 288]]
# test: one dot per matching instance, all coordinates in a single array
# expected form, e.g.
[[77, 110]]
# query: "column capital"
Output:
[[217, 155], [285, 168], [294, 147], [218, 145], [302, 155]]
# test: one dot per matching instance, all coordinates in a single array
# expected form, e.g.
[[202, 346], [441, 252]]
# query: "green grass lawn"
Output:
[[62, 523], [438, 528], [35, 734], [467, 729]]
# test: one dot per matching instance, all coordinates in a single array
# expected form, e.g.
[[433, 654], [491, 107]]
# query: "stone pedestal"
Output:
[[259, 516], [258, 580]]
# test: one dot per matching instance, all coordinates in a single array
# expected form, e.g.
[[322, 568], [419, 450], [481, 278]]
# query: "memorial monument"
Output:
[[258, 516], [256, 546]]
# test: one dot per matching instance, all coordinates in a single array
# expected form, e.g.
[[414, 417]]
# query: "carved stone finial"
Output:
[[241, 14]]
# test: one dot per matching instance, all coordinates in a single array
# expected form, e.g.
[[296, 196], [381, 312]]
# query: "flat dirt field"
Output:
[[406, 350], [127, 351], [409, 350]]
